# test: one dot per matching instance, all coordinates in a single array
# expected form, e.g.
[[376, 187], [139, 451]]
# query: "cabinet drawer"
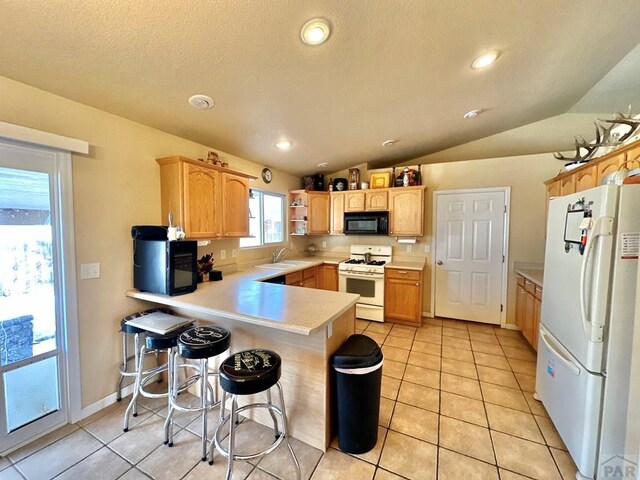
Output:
[[529, 286], [402, 274], [309, 273], [520, 280]]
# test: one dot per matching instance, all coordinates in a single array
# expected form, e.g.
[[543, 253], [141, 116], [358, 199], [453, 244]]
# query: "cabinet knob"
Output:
[[439, 262], [417, 284]]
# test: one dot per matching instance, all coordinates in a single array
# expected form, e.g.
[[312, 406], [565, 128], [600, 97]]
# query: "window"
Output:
[[266, 219]]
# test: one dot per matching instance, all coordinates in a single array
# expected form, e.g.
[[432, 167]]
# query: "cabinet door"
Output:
[[376, 201], [354, 202], [235, 206], [520, 302], [328, 277], [337, 213], [553, 190], [529, 313], [568, 185], [403, 295], [586, 178], [406, 207], [309, 278], [202, 193], [608, 166], [318, 213], [536, 319], [294, 278]]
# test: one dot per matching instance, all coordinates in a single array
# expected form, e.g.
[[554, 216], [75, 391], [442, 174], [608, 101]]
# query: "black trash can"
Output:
[[358, 374]]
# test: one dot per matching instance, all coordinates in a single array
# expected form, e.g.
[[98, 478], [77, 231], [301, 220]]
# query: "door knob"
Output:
[[439, 262]]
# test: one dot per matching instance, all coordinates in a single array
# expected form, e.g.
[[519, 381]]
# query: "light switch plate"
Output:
[[427, 248], [89, 270], [409, 248], [223, 254], [324, 244], [234, 252]]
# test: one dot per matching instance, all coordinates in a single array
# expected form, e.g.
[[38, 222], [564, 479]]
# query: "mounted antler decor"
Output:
[[605, 137]]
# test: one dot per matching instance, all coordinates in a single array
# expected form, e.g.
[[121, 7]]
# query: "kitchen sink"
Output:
[[297, 262], [278, 266]]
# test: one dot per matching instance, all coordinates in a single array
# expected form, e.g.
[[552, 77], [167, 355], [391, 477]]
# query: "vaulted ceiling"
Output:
[[390, 69]]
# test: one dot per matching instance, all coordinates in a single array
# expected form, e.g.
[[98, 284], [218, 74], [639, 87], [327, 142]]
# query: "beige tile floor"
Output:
[[456, 404]]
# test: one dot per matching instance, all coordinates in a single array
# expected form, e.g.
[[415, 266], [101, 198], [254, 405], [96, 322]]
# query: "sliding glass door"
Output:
[[32, 374]]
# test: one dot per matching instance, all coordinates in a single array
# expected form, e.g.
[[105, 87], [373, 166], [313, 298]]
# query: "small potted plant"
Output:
[[205, 265]]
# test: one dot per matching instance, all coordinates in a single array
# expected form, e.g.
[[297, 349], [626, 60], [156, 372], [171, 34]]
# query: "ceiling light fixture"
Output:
[[323, 165], [284, 144], [472, 114], [315, 31], [389, 143], [485, 60], [201, 102]]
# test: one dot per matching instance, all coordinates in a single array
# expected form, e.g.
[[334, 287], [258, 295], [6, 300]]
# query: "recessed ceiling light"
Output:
[[284, 144], [485, 60], [472, 114], [389, 143], [323, 165], [315, 31], [201, 102]]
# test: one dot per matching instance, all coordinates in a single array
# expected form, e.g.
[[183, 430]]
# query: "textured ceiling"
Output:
[[391, 69]]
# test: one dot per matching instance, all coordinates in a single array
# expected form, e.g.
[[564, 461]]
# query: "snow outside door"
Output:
[[469, 255]]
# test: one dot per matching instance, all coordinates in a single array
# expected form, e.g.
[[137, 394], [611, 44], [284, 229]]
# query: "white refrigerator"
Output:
[[585, 352]]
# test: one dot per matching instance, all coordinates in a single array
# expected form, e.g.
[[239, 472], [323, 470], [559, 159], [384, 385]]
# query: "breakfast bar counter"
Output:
[[305, 326]]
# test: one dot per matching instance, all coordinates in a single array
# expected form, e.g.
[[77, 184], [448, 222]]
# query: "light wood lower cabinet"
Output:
[[327, 277], [403, 296], [309, 277], [528, 301]]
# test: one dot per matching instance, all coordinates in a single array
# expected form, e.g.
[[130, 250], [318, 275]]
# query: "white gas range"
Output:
[[363, 274]]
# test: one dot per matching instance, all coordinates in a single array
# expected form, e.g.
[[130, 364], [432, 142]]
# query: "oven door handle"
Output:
[[375, 276]]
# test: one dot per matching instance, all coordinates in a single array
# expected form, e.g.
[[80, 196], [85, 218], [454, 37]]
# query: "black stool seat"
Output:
[[158, 341], [250, 371], [203, 342], [125, 328]]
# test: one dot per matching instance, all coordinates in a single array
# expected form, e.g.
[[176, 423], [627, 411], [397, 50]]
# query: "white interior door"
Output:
[[470, 228]]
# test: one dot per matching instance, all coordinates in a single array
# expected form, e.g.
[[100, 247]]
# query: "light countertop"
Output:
[[535, 275], [417, 264], [242, 296]]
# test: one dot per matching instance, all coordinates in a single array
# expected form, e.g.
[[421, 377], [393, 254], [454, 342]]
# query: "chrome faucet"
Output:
[[278, 255]]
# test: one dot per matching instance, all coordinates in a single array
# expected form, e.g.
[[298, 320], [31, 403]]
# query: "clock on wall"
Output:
[[267, 176]]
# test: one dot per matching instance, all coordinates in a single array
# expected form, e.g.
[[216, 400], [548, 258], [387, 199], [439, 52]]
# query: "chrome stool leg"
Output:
[[136, 391], [232, 435], [285, 431], [273, 415]]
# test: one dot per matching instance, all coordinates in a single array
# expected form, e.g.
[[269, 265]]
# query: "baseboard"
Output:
[[427, 314], [103, 403], [511, 326]]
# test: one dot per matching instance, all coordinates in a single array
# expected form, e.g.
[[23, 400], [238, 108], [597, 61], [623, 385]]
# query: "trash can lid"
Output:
[[359, 351]]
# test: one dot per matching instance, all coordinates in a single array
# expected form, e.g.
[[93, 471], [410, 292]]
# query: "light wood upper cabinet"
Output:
[[235, 206], [586, 179], [309, 212], [354, 201], [337, 213], [609, 165], [365, 200], [406, 211], [207, 201], [568, 185], [376, 201]]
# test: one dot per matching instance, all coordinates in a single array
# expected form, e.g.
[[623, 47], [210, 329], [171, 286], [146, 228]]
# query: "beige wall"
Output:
[[115, 186], [524, 174]]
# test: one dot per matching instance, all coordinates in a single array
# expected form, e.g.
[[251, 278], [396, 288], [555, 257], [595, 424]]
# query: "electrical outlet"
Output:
[[223, 254], [234, 252], [89, 270], [324, 244], [409, 248], [427, 248]]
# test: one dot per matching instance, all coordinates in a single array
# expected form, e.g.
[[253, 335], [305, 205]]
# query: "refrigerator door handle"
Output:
[[563, 358], [602, 227]]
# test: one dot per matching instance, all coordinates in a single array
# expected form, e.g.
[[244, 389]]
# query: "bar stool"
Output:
[[247, 373], [153, 342], [196, 343], [128, 330]]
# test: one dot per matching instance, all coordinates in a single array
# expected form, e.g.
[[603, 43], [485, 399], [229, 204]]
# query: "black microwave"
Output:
[[366, 223], [168, 268]]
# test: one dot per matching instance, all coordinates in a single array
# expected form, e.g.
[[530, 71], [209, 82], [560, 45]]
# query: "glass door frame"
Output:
[[57, 164]]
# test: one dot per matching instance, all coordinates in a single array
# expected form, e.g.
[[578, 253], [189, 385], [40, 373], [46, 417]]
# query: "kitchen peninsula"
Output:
[[304, 326]]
